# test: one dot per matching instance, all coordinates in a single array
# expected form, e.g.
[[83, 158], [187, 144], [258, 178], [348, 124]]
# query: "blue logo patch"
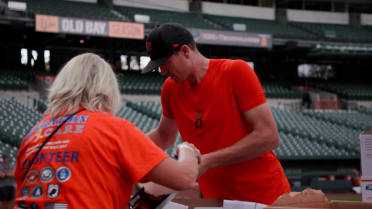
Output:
[[34, 206], [369, 187], [63, 174], [37, 191], [53, 191], [46, 174], [25, 192], [22, 205]]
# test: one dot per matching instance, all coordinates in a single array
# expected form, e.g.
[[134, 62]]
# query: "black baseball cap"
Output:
[[163, 42]]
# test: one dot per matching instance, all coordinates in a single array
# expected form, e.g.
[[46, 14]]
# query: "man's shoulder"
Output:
[[225, 67], [227, 64]]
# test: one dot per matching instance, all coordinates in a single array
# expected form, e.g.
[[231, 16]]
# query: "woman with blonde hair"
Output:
[[81, 156]]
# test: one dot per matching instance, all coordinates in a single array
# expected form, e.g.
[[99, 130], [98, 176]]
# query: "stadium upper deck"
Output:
[[292, 28]]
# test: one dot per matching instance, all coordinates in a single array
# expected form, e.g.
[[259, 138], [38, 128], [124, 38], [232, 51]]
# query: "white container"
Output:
[[366, 152], [366, 184]]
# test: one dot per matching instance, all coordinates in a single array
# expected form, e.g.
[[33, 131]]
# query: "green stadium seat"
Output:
[[343, 185], [136, 83], [71, 9], [157, 17], [278, 30], [336, 32]]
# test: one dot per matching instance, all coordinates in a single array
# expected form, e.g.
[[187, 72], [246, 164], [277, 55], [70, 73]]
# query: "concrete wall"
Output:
[[238, 11], [86, 1], [366, 19], [172, 5], [317, 17]]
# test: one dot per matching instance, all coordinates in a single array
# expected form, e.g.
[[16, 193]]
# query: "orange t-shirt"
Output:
[[210, 115], [91, 162]]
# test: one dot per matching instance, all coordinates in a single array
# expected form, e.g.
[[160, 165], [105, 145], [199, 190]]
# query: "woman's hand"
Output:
[[188, 147]]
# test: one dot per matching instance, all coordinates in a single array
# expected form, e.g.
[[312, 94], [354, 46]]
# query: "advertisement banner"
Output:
[[69, 25], [46, 23], [231, 38], [83, 26], [126, 30]]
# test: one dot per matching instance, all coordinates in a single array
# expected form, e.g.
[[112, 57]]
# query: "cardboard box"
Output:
[[366, 152], [332, 205], [314, 199], [216, 203], [366, 185]]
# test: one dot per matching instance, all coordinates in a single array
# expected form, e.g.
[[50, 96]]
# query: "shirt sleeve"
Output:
[[165, 97], [137, 153], [246, 86]]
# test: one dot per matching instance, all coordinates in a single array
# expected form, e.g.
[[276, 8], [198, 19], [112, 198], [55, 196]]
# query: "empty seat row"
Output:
[[135, 83], [277, 90], [319, 130], [10, 151], [336, 32], [16, 120], [162, 16], [355, 119], [12, 81], [295, 147], [70, 9], [352, 91]]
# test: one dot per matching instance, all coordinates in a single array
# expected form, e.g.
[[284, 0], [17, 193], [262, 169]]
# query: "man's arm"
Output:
[[165, 134], [262, 139]]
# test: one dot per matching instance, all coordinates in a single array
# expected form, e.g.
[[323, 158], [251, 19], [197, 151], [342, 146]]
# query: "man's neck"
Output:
[[201, 66]]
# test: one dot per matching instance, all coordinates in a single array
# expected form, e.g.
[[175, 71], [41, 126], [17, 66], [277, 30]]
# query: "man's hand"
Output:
[[203, 165]]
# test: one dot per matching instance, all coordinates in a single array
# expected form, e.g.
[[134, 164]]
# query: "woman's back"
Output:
[[91, 162]]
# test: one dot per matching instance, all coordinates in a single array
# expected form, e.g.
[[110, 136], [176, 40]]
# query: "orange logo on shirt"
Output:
[[37, 135]]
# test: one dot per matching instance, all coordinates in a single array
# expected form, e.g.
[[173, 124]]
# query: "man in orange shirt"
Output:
[[92, 158], [219, 106]]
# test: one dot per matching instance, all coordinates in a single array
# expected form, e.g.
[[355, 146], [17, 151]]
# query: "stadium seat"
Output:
[[274, 28], [71, 9], [15, 124], [336, 32], [163, 16], [135, 83]]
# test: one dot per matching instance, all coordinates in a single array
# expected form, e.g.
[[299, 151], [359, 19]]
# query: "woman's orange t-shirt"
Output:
[[91, 162]]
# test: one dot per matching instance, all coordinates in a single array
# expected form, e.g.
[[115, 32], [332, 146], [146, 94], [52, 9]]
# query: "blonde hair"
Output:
[[86, 80]]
